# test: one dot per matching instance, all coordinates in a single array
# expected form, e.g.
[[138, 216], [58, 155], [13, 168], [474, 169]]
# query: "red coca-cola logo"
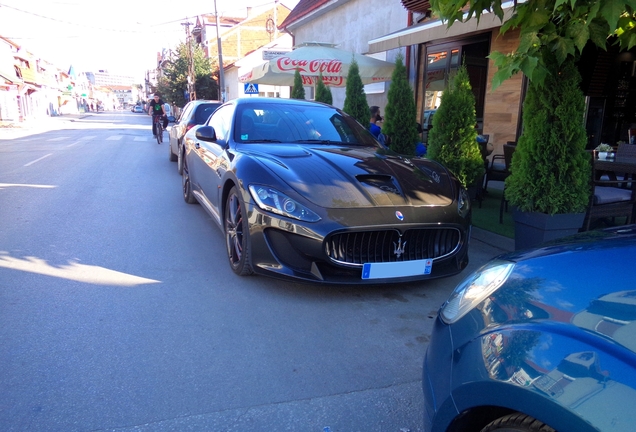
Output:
[[335, 81], [316, 66]]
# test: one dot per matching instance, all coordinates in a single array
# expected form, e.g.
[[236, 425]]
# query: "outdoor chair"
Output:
[[496, 170], [509, 150], [610, 199]]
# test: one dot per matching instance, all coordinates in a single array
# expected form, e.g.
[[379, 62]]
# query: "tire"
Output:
[[517, 422], [171, 156], [160, 136], [180, 158], [237, 234], [186, 184]]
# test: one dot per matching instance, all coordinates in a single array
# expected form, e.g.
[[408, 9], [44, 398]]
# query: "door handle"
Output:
[[197, 146]]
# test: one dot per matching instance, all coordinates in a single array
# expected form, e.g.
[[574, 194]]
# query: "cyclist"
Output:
[[156, 109]]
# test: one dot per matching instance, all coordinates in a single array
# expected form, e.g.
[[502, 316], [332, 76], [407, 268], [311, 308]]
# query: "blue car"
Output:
[[539, 340]]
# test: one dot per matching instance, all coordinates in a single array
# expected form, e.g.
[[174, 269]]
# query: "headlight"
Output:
[[463, 202], [271, 200], [474, 289]]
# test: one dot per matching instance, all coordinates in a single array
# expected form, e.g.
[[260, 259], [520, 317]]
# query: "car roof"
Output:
[[272, 100]]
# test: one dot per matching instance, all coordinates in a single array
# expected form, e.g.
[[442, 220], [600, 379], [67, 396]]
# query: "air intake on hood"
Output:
[[381, 181]]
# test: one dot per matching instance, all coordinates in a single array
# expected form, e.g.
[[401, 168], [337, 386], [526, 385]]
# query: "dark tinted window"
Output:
[[298, 123], [203, 112]]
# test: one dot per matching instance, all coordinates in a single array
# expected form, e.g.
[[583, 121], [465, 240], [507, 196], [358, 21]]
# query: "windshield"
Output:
[[289, 123]]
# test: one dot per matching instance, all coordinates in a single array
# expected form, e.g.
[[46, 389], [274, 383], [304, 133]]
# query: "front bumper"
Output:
[[291, 249]]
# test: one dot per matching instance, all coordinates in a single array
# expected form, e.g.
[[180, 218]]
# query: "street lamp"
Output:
[[218, 43]]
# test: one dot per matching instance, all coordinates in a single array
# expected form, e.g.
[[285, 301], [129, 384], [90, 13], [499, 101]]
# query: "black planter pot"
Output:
[[533, 229]]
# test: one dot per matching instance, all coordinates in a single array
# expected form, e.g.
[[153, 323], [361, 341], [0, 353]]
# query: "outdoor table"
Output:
[[622, 165]]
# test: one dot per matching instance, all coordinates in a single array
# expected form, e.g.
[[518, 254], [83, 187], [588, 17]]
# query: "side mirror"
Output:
[[171, 119], [205, 133]]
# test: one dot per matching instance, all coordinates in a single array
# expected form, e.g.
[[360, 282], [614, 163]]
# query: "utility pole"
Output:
[[191, 78], [219, 48]]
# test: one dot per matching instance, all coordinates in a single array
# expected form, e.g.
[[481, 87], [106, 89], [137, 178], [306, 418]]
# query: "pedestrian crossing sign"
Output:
[[251, 88]]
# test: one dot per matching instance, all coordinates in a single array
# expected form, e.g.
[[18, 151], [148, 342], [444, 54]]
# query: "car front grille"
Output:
[[357, 248]]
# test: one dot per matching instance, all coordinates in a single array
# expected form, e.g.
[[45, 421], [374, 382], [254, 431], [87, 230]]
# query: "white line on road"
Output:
[[76, 142], [37, 160], [57, 139], [114, 138], [88, 137], [140, 139]]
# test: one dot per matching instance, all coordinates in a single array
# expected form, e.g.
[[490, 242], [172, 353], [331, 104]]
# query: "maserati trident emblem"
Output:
[[399, 247], [399, 215]]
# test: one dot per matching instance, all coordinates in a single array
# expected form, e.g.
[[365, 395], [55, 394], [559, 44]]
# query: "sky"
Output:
[[120, 36]]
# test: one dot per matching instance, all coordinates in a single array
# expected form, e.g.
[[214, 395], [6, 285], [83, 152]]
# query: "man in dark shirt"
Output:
[[155, 108]]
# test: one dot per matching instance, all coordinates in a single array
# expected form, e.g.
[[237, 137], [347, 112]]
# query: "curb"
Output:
[[495, 240]]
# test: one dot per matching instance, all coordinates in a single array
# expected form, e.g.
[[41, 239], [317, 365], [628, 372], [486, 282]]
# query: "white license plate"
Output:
[[396, 269]]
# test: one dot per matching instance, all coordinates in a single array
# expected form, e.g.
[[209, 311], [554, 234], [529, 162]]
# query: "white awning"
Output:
[[437, 29]]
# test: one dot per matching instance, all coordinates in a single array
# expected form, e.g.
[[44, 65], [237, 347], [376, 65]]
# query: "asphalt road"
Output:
[[119, 312]]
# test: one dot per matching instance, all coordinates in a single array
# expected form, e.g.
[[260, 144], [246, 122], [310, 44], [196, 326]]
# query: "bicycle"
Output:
[[157, 126]]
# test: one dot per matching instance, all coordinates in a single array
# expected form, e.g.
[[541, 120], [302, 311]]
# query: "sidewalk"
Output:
[[495, 240], [14, 129]]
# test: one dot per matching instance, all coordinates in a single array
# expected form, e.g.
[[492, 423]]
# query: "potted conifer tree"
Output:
[[400, 125], [298, 91], [355, 103], [549, 182], [453, 139], [323, 94]]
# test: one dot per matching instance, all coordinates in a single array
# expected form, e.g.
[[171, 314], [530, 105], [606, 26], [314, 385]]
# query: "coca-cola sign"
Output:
[[311, 67], [335, 81]]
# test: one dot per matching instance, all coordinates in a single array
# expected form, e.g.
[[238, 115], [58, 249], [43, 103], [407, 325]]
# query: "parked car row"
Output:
[[302, 191]]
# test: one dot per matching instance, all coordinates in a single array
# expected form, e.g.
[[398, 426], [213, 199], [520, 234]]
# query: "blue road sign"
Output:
[[250, 88]]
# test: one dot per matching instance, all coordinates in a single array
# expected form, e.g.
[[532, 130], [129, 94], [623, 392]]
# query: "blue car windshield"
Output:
[[289, 123]]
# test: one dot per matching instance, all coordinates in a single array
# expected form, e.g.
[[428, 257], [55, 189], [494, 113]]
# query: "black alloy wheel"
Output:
[[237, 234], [180, 157], [517, 422], [188, 196]]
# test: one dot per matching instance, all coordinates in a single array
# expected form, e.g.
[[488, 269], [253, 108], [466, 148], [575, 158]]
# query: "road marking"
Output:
[[140, 139], [36, 186], [38, 160], [85, 138], [57, 139], [76, 142], [114, 138]]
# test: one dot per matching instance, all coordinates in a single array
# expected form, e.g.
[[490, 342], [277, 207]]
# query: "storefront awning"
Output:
[[434, 30]]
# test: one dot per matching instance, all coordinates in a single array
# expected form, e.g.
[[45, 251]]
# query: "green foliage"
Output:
[[174, 81], [453, 139], [550, 169], [355, 103], [400, 114], [559, 27], [298, 91], [323, 93]]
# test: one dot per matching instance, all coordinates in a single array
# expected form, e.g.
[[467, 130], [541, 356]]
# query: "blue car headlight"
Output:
[[271, 200], [474, 289]]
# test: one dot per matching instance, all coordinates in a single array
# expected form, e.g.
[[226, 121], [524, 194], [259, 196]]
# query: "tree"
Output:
[[400, 114], [453, 139], [173, 85], [549, 27], [355, 103], [550, 170], [323, 93], [298, 91]]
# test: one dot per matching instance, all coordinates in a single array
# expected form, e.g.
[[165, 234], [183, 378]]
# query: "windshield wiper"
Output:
[[261, 141], [318, 141]]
